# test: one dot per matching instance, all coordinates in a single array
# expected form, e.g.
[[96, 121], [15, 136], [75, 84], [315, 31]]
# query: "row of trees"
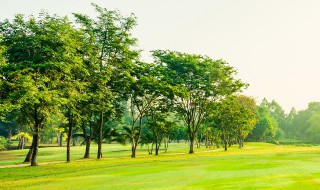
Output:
[[83, 75], [85, 79]]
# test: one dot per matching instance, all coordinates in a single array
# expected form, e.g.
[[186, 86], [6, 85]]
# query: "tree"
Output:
[[37, 53], [246, 117], [314, 129], [147, 91], [160, 125], [109, 55], [266, 127], [289, 123], [277, 113], [195, 81], [74, 85], [304, 124], [224, 117]]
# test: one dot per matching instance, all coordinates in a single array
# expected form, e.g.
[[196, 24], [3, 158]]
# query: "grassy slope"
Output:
[[258, 166]]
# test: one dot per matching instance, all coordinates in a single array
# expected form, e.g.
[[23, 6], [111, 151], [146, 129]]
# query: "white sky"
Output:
[[274, 44]]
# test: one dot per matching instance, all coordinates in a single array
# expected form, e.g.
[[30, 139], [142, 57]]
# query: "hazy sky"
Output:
[[274, 44]]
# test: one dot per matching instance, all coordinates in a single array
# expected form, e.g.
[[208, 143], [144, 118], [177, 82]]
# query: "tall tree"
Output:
[[38, 53], [109, 53], [147, 91], [195, 81], [246, 117], [289, 123], [266, 127]]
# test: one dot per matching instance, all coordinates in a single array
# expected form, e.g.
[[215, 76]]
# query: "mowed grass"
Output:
[[257, 166]]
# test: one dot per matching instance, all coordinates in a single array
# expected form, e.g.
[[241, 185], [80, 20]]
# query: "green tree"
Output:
[[194, 81], [289, 123], [160, 125], [305, 123], [37, 54], [147, 91], [266, 127], [313, 131], [246, 117], [109, 54], [277, 113]]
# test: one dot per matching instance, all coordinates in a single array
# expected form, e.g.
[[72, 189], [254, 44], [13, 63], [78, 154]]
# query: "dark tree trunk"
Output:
[[135, 142], [206, 141], [191, 151], [225, 145], [23, 142], [36, 137], [240, 142], [20, 143], [60, 139], [150, 150], [133, 150], [100, 137], [28, 157], [88, 143], [157, 146], [69, 136]]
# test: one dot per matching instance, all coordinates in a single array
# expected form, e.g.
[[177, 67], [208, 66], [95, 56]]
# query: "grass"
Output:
[[257, 166]]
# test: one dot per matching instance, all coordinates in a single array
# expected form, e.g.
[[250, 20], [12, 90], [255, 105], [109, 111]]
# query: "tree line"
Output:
[[84, 79]]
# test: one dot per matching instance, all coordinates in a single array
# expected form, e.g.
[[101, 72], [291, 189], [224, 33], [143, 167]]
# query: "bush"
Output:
[[4, 143]]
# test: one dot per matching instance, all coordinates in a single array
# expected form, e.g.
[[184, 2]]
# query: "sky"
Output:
[[274, 44]]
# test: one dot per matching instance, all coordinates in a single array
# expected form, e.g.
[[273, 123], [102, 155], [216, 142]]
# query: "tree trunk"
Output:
[[60, 139], [100, 137], [88, 143], [69, 137], [225, 145], [136, 142], [21, 143], [28, 157], [36, 137], [167, 144], [191, 145], [133, 151], [149, 151], [157, 146], [240, 142], [206, 141], [151, 148], [157, 149]]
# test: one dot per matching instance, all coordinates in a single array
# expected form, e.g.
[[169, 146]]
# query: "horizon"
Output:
[[273, 44]]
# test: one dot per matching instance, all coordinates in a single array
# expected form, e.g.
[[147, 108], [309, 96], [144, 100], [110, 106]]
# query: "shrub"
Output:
[[4, 143]]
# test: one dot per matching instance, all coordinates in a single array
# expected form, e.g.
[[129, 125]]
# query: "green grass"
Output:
[[257, 166]]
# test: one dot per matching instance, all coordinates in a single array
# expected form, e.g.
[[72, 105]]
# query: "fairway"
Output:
[[257, 166]]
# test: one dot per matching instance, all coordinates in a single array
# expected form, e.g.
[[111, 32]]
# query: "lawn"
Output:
[[257, 166]]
